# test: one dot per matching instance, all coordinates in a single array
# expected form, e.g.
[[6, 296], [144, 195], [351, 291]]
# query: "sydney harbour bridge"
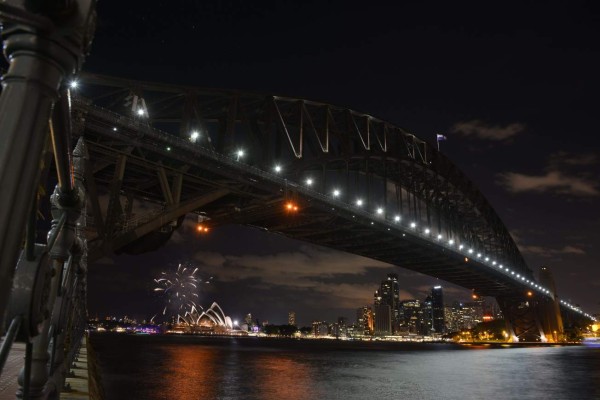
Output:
[[127, 161]]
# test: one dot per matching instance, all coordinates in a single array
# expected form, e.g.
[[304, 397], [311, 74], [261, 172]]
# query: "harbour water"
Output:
[[192, 368]]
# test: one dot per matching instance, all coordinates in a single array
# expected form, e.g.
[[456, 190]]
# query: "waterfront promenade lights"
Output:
[[359, 202], [194, 136]]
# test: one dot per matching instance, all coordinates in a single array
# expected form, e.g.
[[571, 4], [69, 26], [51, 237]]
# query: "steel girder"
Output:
[[156, 162], [362, 154]]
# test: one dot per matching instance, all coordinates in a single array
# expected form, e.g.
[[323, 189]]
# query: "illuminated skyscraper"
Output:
[[383, 320], [364, 320], [438, 322], [412, 315], [292, 318], [389, 294]]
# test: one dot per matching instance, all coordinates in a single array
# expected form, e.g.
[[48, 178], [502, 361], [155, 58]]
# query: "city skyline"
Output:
[[512, 94], [388, 294]]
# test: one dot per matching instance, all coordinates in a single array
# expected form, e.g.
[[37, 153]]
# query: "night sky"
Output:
[[513, 86]]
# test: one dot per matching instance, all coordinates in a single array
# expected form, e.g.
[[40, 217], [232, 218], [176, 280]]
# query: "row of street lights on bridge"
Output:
[[379, 211]]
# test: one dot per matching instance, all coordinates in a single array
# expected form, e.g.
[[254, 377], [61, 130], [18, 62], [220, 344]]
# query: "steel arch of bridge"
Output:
[[374, 160], [145, 129], [129, 183]]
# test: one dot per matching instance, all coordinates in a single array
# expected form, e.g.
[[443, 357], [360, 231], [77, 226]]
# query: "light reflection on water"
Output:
[[184, 368]]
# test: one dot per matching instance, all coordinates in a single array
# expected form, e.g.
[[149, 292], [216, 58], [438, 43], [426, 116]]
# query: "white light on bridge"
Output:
[[460, 247], [451, 242], [439, 237], [397, 218], [309, 181], [140, 112], [115, 129], [478, 255], [427, 231], [277, 168], [380, 211], [487, 259], [194, 136], [168, 149], [493, 262], [470, 251], [413, 224], [239, 154], [359, 202], [336, 193], [73, 84]]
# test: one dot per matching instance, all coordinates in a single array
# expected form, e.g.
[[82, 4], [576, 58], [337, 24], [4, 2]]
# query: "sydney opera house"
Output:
[[211, 321]]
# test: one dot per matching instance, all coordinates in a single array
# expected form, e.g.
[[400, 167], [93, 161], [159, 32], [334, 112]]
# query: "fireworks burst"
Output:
[[180, 289]]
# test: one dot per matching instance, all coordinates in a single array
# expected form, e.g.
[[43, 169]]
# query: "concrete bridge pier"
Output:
[[522, 318], [533, 318]]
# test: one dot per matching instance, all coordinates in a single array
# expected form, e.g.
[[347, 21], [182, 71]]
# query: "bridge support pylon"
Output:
[[522, 319], [534, 318], [551, 317]]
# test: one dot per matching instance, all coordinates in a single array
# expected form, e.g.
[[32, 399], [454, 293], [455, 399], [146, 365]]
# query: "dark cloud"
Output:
[[566, 159], [550, 252], [481, 130], [550, 182]]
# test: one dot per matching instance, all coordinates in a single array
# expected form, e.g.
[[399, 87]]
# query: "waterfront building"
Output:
[[438, 323], [383, 320], [248, 320], [412, 317], [292, 318], [426, 317], [364, 320], [342, 327], [389, 294], [320, 328]]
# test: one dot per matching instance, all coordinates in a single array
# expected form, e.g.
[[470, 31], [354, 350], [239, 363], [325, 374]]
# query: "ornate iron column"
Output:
[[44, 42]]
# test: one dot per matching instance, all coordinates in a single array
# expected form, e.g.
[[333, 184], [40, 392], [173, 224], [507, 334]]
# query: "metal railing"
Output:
[[44, 296]]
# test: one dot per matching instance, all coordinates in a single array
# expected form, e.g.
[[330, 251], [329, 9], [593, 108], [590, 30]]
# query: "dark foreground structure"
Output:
[[132, 159]]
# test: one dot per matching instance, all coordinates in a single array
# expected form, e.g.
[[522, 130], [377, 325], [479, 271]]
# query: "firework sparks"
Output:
[[179, 288]]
